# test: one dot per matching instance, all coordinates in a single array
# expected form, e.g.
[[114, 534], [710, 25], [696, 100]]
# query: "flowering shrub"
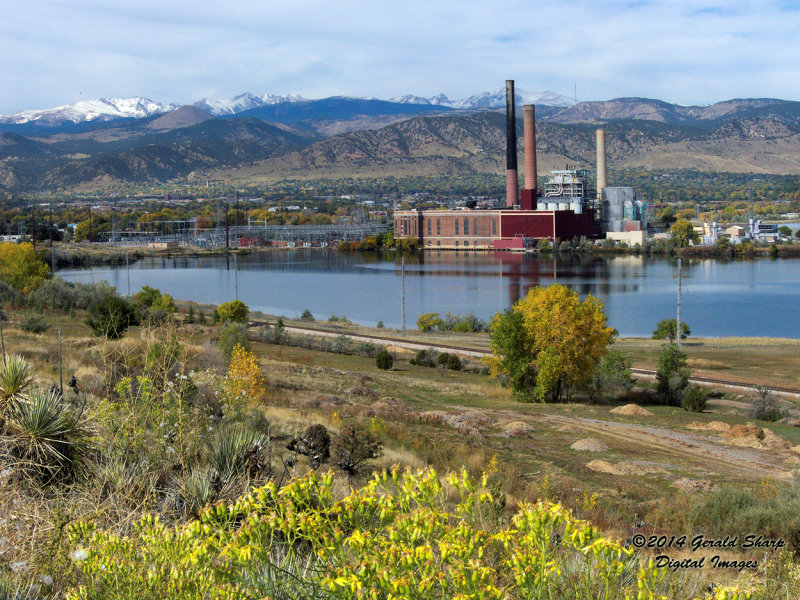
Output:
[[244, 382], [395, 538]]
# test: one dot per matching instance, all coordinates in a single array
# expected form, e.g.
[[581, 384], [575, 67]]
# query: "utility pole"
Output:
[[52, 256], [678, 321], [403, 293]]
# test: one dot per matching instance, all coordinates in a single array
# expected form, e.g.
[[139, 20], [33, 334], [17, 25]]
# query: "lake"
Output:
[[721, 298]]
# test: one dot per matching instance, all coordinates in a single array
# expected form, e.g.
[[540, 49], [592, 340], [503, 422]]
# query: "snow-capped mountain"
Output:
[[103, 109], [243, 102], [490, 100]]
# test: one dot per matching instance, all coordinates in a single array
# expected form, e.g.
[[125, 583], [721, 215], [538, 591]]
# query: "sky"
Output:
[[56, 52]]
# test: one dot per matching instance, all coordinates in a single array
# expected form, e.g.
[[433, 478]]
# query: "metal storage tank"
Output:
[[552, 206], [576, 207], [563, 206], [541, 206]]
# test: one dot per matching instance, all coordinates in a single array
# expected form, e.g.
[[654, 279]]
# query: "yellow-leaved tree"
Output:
[[549, 341], [21, 268], [244, 381]]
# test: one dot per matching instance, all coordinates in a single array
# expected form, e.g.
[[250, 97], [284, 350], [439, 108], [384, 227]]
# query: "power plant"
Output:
[[565, 209]]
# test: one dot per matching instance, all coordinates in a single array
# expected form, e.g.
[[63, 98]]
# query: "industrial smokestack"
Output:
[[601, 162], [512, 186], [529, 119]]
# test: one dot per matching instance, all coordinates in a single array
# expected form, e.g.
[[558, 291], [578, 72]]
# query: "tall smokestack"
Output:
[[601, 162], [512, 186], [529, 117]]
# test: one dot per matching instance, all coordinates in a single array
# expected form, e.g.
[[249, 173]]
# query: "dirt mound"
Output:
[[469, 423], [687, 485], [362, 390], [321, 401], [387, 408], [632, 410], [433, 416], [516, 429], [624, 468], [794, 422], [751, 435], [710, 426], [589, 445]]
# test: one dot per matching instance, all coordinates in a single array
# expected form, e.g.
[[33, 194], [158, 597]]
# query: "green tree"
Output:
[[429, 321], [556, 336], [683, 232], [611, 376], [665, 330], [785, 231], [111, 316], [235, 311], [668, 215], [672, 377], [21, 268], [384, 359]]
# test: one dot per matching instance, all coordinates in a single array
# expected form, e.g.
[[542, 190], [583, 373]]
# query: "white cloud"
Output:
[[57, 52]]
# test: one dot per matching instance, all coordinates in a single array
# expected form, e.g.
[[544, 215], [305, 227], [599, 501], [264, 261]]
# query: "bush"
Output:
[[306, 316], [429, 321], [665, 330], [111, 316], [341, 344], [611, 376], [341, 320], [425, 358], [235, 311], [379, 325], [384, 359], [765, 406], [672, 377], [33, 322], [230, 336], [315, 443], [695, 399], [367, 349], [453, 362], [353, 447]]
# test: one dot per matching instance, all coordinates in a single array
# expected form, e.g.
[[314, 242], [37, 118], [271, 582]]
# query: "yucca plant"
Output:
[[43, 437], [8, 591], [16, 377], [235, 448], [196, 489]]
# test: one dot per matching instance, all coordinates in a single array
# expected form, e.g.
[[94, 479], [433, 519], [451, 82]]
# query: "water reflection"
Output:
[[722, 298]]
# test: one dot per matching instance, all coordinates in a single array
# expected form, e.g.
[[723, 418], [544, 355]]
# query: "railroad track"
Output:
[[417, 345]]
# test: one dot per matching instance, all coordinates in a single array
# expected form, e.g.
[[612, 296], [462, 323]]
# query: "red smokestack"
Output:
[[512, 186], [529, 116]]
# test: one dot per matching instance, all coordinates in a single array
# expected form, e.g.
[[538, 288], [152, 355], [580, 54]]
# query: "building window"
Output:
[[438, 242], [429, 226], [438, 226], [466, 226], [475, 226], [494, 226], [456, 224], [466, 243], [456, 243]]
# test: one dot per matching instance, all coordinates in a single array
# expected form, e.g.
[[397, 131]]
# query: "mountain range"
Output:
[[261, 138]]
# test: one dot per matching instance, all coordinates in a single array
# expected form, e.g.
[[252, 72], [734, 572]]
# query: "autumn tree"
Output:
[[21, 268], [244, 381], [683, 232], [550, 337], [235, 311]]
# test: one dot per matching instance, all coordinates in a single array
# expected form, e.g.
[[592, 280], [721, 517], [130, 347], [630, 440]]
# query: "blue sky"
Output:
[[60, 51]]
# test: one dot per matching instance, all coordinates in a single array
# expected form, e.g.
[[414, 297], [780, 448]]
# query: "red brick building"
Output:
[[491, 229]]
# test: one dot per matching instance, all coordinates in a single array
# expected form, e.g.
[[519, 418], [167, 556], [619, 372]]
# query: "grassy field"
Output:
[[668, 468]]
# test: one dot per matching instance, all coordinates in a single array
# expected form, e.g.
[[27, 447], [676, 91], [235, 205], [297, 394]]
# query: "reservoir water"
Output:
[[721, 298]]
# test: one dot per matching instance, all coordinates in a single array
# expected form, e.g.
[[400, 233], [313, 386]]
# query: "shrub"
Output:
[[672, 377], [695, 399], [244, 381], [235, 311], [353, 447], [379, 325], [665, 330], [111, 316], [453, 362], [342, 320], [426, 358], [765, 406], [306, 316], [611, 376], [33, 322], [367, 349], [384, 359], [315, 443], [341, 344], [442, 358], [230, 336]]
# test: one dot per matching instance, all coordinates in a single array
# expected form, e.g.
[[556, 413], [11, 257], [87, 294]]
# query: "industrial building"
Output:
[[564, 210]]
